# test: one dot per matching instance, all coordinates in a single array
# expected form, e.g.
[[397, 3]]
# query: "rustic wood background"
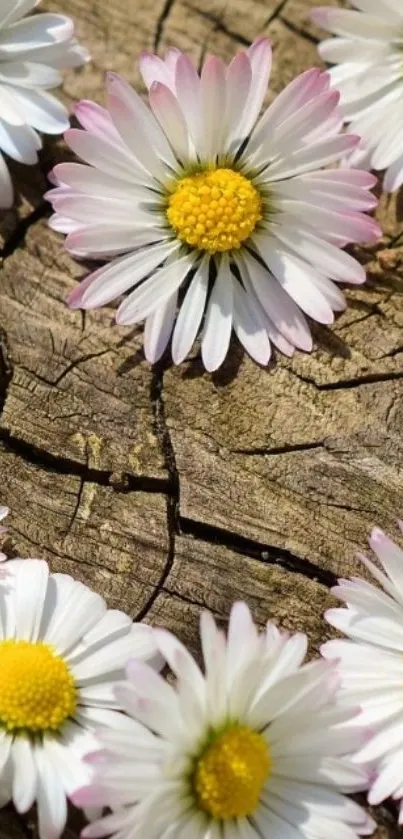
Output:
[[170, 489]]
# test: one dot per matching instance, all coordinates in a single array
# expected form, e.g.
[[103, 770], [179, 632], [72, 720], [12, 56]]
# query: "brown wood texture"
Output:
[[169, 489]]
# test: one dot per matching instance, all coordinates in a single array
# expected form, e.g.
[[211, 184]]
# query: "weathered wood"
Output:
[[170, 490], [66, 368]]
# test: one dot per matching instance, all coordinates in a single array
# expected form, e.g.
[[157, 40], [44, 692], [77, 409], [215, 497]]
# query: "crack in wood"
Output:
[[349, 384], [6, 371], [120, 482], [301, 32], [277, 12], [172, 498], [161, 22], [219, 26], [296, 447], [257, 550], [17, 237], [360, 381]]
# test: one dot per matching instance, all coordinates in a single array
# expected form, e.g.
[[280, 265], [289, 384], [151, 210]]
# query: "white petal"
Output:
[[281, 309], [112, 239], [31, 583], [6, 187], [239, 78], [248, 328], [104, 155], [394, 176], [187, 85], [191, 313], [260, 57], [113, 280], [41, 110], [71, 772], [25, 774], [35, 33], [336, 263], [213, 107], [114, 656], [19, 142], [318, 154], [169, 115], [219, 314], [138, 127], [158, 328], [386, 782], [51, 799], [98, 122], [154, 291], [91, 181], [294, 277], [348, 23], [74, 609]]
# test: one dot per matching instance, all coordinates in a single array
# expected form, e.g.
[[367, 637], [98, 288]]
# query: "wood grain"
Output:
[[170, 490]]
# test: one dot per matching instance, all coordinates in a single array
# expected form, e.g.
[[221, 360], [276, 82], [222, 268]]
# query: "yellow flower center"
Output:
[[229, 775], [37, 690], [214, 210]]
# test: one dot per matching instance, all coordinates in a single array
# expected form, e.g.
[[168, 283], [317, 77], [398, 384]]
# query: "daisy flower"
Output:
[[369, 76], [254, 747], [61, 650], [32, 51], [210, 216], [371, 663]]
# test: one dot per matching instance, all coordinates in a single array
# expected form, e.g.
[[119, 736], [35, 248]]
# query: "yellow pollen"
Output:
[[37, 690], [214, 210], [229, 775]]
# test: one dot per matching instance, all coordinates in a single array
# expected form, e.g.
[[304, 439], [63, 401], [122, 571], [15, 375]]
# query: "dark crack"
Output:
[[391, 353], [355, 382], [173, 495], [276, 13], [219, 26], [369, 379], [70, 367], [18, 236], [36, 456], [161, 22], [297, 447], [257, 550], [301, 32], [77, 504], [6, 371]]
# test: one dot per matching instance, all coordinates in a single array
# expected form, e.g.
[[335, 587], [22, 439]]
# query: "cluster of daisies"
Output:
[[255, 744], [209, 217]]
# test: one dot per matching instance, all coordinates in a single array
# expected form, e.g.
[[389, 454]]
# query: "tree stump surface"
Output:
[[169, 489]]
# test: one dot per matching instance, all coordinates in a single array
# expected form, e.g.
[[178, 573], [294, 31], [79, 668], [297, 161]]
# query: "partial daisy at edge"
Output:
[[61, 653], [210, 218], [33, 51], [3, 530], [370, 662], [368, 73], [254, 746]]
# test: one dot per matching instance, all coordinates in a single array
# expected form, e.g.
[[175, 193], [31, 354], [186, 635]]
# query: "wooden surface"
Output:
[[169, 489]]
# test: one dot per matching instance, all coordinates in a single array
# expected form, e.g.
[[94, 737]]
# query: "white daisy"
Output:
[[253, 748], [368, 53], [371, 663], [201, 205], [32, 52], [61, 651]]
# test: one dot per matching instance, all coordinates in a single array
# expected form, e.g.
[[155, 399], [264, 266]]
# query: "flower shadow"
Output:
[[226, 374], [329, 342], [399, 204]]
